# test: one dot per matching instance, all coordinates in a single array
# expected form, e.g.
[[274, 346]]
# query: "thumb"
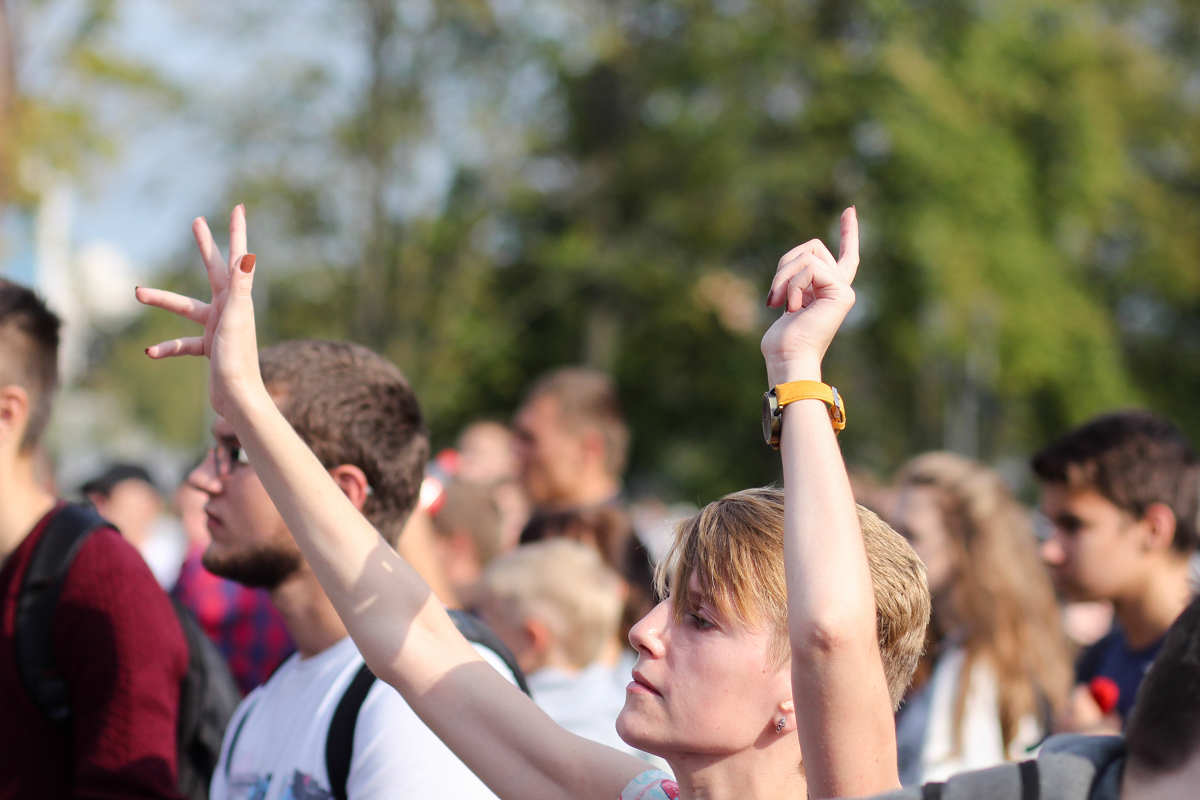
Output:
[[242, 276]]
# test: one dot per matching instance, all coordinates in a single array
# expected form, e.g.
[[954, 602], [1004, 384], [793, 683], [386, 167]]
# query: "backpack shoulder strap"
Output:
[[52, 557], [1031, 780], [473, 629], [339, 742]]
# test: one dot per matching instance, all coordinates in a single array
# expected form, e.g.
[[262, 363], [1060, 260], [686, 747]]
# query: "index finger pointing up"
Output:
[[848, 256]]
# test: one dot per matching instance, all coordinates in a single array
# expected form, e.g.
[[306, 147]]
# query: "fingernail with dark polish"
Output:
[[146, 351], [248, 262]]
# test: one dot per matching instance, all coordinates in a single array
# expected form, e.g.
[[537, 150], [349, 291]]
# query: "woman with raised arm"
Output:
[[740, 670]]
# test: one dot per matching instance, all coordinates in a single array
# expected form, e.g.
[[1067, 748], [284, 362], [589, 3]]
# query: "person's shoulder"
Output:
[[653, 784], [909, 793], [107, 553], [1084, 766], [1097, 749], [108, 573]]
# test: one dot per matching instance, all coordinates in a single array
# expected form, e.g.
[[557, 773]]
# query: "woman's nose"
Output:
[[647, 634]]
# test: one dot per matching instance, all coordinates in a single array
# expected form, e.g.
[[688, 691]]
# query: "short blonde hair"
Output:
[[734, 546], [564, 584]]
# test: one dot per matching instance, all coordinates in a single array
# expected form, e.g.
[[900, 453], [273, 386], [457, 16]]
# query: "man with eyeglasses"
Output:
[[1121, 494], [242, 622], [91, 653], [357, 413]]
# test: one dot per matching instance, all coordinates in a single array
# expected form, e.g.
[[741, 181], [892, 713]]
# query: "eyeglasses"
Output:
[[226, 458]]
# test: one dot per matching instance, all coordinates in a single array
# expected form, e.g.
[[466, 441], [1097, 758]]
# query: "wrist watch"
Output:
[[784, 393]]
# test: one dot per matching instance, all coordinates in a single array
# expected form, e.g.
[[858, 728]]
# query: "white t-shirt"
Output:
[[280, 750]]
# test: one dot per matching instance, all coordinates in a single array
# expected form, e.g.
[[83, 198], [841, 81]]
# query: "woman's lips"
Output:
[[640, 685]]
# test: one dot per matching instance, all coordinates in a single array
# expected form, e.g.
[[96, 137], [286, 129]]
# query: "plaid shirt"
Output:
[[246, 627]]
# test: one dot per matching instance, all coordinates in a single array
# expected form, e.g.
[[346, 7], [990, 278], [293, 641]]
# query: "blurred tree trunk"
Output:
[[374, 272], [8, 106]]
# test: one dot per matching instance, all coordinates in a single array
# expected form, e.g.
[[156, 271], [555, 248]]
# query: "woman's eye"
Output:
[[700, 622]]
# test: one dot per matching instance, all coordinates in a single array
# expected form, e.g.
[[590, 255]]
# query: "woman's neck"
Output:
[[756, 773]]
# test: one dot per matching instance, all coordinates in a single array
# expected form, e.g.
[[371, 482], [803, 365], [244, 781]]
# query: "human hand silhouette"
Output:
[[814, 289], [228, 340]]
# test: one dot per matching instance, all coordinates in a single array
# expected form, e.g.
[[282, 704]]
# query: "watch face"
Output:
[[770, 419]]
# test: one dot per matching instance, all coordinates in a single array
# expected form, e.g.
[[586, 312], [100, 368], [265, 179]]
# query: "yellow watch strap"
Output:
[[813, 390]]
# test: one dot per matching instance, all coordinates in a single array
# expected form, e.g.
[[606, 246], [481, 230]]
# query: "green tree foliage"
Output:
[[1024, 170]]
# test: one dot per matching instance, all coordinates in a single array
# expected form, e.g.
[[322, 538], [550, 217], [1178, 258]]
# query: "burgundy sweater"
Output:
[[121, 651]]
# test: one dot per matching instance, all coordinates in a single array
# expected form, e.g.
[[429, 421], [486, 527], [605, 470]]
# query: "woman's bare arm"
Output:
[[398, 624], [843, 708]]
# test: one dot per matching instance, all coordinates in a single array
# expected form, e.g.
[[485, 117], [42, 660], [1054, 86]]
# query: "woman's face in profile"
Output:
[[918, 517], [702, 684]]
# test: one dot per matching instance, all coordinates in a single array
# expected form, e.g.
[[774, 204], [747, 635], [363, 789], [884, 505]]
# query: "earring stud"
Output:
[[779, 727]]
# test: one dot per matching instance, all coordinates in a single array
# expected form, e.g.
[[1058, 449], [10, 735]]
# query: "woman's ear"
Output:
[[353, 482], [785, 717]]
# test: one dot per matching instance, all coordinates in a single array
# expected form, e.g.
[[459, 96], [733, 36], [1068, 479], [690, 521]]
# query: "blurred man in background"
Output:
[[102, 720], [467, 524], [1122, 494], [127, 496], [486, 458], [572, 440], [360, 418]]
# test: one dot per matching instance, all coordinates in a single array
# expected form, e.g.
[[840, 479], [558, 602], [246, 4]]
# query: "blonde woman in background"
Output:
[[996, 665]]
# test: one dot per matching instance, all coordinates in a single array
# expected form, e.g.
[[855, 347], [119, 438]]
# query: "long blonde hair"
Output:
[[1001, 594]]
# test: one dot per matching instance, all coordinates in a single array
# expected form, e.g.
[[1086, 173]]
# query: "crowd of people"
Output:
[[325, 610]]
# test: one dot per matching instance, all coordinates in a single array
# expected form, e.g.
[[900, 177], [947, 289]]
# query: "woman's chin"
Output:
[[634, 732]]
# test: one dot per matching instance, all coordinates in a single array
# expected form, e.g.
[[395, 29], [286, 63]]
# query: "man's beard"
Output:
[[265, 568]]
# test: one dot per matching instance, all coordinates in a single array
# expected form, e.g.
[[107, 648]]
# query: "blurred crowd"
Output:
[[1043, 620]]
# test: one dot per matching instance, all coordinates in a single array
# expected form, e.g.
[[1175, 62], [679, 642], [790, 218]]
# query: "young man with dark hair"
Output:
[[1122, 494], [356, 412], [118, 651]]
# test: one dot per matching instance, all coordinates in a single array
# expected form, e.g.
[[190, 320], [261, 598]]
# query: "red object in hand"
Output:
[[1105, 692]]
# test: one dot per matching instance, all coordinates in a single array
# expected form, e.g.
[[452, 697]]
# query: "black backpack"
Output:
[[339, 741], [208, 695]]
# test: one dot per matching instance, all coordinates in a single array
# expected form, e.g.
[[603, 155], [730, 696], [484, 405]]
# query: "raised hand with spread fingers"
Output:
[[229, 339], [403, 632]]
